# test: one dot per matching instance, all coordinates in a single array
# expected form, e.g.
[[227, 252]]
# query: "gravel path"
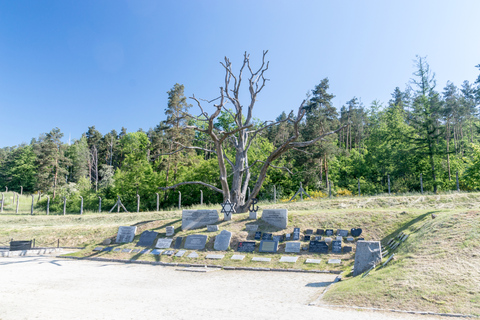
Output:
[[43, 287]]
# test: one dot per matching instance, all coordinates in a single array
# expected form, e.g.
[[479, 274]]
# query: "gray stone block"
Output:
[[193, 219], [276, 217], [367, 254]]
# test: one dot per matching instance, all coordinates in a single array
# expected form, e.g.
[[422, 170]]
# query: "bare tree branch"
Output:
[[192, 182]]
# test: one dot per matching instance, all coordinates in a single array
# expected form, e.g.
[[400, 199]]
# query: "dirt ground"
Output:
[[46, 287]]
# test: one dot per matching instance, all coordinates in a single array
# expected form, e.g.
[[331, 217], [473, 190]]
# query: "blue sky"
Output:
[[74, 64]]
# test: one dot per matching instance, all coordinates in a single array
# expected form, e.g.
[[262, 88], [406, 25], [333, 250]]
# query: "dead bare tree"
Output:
[[243, 135]]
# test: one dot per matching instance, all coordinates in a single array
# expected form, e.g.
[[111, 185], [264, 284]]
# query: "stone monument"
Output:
[[276, 217], [193, 219], [367, 254]]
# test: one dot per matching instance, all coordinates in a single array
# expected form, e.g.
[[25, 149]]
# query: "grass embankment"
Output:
[[436, 269]]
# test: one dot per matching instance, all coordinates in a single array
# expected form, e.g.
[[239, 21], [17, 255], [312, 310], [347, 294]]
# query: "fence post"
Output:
[[1, 210], [248, 192], [31, 210], [421, 183], [81, 205], [201, 197], [389, 184], [64, 205], [138, 203], [48, 205], [301, 193], [6, 189], [99, 204], [458, 185], [58, 243], [18, 199], [359, 187], [179, 199], [158, 201], [329, 189], [275, 194], [34, 242], [21, 190]]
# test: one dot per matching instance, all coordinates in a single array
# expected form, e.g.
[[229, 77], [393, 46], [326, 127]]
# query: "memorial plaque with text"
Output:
[[309, 231], [147, 238], [277, 238], [329, 232], [268, 246], [195, 242], [347, 249], [342, 233], [337, 247], [267, 236], [276, 217], [356, 232], [296, 234], [125, 234], [292, 247], [193, 219], [222, 240], [318, 247], [20, 245], [320, 232], [163, 243], [246, 246], [258, 235], [288, 237], [178, 243], [156, 252], [306, 238], [107, 249]]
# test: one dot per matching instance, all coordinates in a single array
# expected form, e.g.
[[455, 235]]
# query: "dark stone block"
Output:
[[258, 235], [107, 249], [320, 232], [329, 232], [356, 232], [20, 245], [306, 238], [337, 247], [347, 249], [342, 233], [267, 236], [309, 231], [178, 243], [318, 247], [246, 246], [147, 238], [268, 246], [277, 238]]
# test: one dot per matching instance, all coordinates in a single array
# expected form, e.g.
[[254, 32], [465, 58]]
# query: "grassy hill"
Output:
[[436, 269]]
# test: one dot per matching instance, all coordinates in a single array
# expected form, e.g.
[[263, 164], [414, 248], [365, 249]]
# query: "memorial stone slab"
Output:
[[246, 246], [252, 215], [293, 247], [268, 246], [178, 243], [339, 238], [288, 236], [350, 239], [276, 217], [222, 241], [237, 257], [328, 240], [329, 232], [342, 233], [337, 247], [145, 251], [193, 255], [278, 238], [258, 235], [163, 243], [361, 239], [367, 254], [296, 234], [126, 250], [251, 227], [147, 238], [193, 219], [313, 261], [267, 236], [212, 228], [347, 249], [309, 231], [180, 253], [195, 242], [356, 232], [136, 250], [125, 234], [169, 231], [98, 249], [320, 232], [156, 252], [288, 259], [306, 238], [215, 256], [169, 252], [318, 247], [117, 249], [261, 259], [334, 261], [318, 238]]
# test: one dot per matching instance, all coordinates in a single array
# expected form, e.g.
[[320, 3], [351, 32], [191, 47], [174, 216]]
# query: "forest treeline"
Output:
[[422, 131]]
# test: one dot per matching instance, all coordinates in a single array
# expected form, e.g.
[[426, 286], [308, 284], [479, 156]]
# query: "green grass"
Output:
[[436, 269]]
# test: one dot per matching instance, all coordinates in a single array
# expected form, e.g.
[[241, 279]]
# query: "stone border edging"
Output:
[[187, 265], [427, 313]]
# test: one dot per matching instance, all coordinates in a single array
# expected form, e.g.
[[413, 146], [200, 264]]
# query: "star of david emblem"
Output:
[[228, 208]]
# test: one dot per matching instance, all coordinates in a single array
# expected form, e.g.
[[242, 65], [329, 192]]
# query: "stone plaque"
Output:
[[251, 227], [339, 238], [145, 251], [342, 233], [288, 259], [178, 243], [350, 239], [156, 252], [347, 249], [193, 255], [320, 232], [193, 219], [147, 238], [267, 236], [360, 239], [306, 238], [328, 240], [168, 252], [258, 235], [337, 247], [215, 256], [329, 232], [125, 234], [163, 243], [246, 246], [293, 247], [313, 261], [277, 238], [222, 241], [367, 254], [98, 249], [237, 257], [268, 246], [356, 232], [276, 217], [252, 215], [318, 247], [288, 236], [195, 242], [180, 253], [126, 250], [318, 238], [136, 250], [296, 234], [261, 259], [169, 231], [334, 261], [309, 231], [212, 228]]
